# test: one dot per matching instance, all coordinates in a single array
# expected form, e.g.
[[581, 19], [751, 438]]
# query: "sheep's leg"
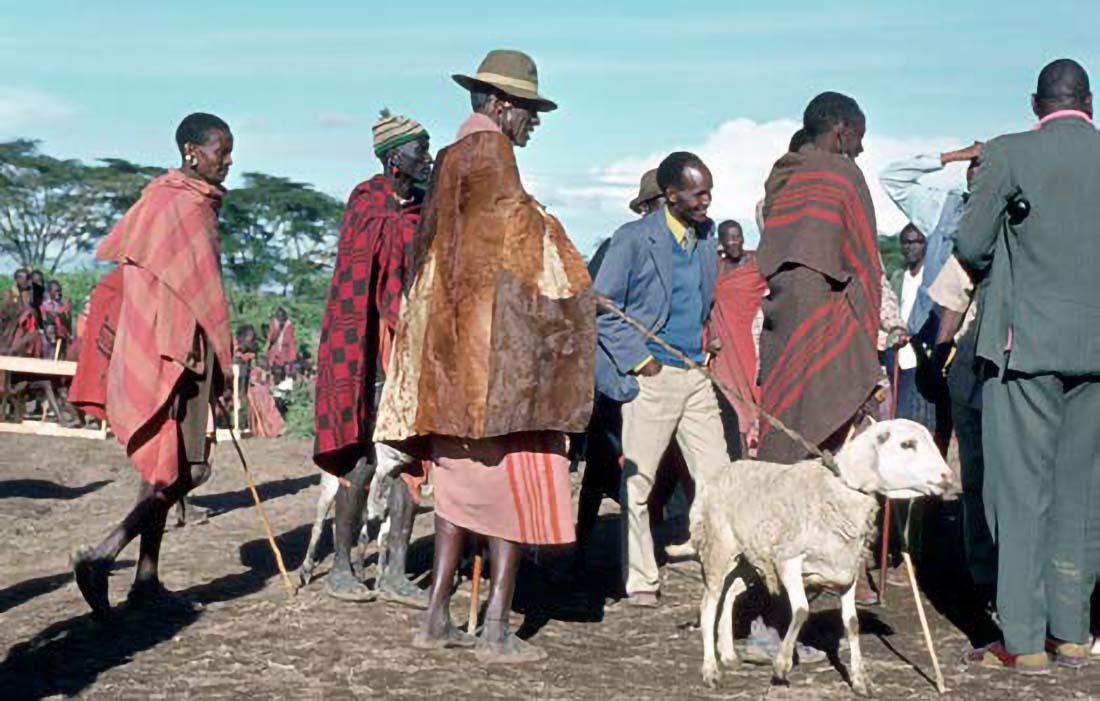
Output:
[[790, 573], [708, 611], [726, 652], [861, 683], [329, 485]]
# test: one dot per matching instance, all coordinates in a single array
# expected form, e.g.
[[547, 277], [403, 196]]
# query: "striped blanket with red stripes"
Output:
[[818, 252], [168, 246]]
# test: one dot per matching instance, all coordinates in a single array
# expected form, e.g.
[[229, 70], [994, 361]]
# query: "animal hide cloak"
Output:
[[497, 332]]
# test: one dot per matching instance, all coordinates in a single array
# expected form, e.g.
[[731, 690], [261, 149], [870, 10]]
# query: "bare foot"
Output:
[[451, 637], [511, 650], [345, 586], [401, 591], [91, 574], [151, 593]]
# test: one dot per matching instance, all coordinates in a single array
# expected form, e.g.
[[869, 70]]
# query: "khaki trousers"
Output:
[[674, 403]]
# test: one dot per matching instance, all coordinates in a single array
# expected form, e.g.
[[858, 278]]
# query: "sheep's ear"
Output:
[[883, 437]]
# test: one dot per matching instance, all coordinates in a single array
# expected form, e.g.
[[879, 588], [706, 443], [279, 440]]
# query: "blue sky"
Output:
[[301, 83]]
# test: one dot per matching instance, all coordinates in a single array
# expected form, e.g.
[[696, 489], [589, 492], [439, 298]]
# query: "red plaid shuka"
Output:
[[363, 304], [167, 246], [819, 255]]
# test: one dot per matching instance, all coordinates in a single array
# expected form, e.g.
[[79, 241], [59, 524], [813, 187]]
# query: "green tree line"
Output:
[[278, 235]]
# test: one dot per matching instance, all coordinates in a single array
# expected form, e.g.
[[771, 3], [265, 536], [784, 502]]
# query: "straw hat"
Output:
[[511, 72], [647, 190]]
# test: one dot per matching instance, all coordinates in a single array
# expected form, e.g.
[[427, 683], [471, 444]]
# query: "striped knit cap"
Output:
[[391, 131]]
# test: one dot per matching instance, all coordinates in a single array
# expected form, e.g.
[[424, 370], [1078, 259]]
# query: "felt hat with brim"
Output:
[[647, 190], [512, 73]]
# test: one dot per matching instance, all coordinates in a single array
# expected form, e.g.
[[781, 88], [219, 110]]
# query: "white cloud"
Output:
[[22, 107], [740, 154]]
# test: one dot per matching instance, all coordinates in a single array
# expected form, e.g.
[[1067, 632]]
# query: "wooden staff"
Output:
[[940, 686], [885, 551], [475, 585], [291, 590]]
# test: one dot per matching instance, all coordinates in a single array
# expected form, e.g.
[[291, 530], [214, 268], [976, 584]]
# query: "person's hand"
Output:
[[963, 154], [714, 345], [650, 369], [897, 337]]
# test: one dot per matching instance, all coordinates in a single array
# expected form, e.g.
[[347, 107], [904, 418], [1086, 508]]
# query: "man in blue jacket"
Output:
[[660, 270]]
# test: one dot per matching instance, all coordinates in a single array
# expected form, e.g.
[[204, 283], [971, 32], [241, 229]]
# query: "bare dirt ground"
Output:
[[246, 640]]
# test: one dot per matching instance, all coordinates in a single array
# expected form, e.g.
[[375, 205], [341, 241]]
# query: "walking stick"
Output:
[[260, 509], [940, 686], [885, 550], [475, 585]]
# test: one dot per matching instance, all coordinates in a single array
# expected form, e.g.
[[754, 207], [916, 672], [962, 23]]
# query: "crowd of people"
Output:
[[36, 322], [465, 341]]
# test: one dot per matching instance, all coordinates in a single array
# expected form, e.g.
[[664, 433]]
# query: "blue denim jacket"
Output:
[[636, 275]]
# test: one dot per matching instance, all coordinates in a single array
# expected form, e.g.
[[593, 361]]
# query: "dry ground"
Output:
[[248, 641]]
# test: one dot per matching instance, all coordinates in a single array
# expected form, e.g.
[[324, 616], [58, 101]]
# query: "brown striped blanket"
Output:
[[818, 253]]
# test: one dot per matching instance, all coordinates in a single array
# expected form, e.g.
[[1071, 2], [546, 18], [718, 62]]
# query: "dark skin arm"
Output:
[[950, 323]]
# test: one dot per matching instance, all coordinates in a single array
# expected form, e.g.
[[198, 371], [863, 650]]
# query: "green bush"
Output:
[[299, 413]]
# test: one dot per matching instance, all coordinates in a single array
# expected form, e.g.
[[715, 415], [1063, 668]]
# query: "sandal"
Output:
[[995, 656]]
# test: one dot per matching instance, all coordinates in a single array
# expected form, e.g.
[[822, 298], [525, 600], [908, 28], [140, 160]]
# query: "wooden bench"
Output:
[[67, 368]]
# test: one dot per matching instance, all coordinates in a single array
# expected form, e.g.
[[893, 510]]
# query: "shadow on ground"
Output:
[[44, 489], [21, 593], [67, 657], [228, 501]]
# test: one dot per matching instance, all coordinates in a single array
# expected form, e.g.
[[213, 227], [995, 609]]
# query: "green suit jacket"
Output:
[[1041, 277]]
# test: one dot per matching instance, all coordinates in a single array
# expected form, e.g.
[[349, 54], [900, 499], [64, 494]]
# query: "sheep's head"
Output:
[[897, 458]]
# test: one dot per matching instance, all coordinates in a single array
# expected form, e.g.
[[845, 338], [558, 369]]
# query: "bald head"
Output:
[[1062, 85]]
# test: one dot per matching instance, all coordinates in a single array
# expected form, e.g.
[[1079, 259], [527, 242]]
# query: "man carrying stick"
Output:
[[493, 356], [158, 359]]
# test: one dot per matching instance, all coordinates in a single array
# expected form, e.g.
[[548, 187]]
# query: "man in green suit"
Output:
[[1031, 234]]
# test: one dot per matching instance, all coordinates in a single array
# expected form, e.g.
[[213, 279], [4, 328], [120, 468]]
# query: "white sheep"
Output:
[[801, 526]]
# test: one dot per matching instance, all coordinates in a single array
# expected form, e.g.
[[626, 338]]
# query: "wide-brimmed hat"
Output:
[[511, 72], [647, 190]]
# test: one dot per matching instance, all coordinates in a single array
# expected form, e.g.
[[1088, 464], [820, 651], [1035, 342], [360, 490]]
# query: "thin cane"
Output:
[[260, 507], [940, 686], [886, 518], [475, 585]]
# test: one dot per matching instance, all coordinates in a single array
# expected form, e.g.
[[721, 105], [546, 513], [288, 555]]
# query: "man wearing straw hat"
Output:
[[493, 355], [371, 259]]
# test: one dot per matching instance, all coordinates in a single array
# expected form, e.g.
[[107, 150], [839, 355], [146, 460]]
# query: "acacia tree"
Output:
[[277, 232], [53, 209]]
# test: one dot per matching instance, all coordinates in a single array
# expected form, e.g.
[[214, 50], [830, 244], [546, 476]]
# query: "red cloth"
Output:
[[168, 246], [737, 296], [60, 315], [263, 416], [514, 487], [89, 389], [363, 305], [282, 345], [820, 257]]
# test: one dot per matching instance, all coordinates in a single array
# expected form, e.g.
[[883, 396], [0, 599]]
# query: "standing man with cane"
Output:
[[493, 356], [169, 323]]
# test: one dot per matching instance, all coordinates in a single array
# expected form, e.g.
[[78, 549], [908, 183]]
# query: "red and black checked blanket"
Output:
[[819, 255], [371, 262]]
